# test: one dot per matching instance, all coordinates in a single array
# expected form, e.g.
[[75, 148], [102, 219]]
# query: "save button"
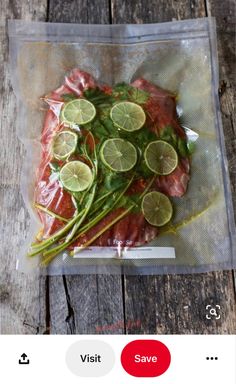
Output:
[[145, 358]]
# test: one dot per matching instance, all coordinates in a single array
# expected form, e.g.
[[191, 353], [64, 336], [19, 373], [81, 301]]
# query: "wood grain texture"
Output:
[[22, 306], [153, 11], [176, 304], [225, 12], [82, 11], [86, 304], [225, 17]]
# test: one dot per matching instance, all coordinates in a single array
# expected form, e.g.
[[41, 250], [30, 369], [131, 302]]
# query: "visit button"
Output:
[[145, 358]]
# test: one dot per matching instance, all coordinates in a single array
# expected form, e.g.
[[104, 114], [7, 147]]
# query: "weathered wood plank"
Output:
[[96, 303], [225, 22], [84, 304], [153, 11], [225, 18], [140, 309], [176, 304], [22, 306], [82, 11]]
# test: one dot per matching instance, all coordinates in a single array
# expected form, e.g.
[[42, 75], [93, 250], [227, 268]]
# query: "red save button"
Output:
[[145, 358]]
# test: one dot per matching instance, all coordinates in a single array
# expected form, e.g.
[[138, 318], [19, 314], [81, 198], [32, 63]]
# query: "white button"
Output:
[[90, 358]]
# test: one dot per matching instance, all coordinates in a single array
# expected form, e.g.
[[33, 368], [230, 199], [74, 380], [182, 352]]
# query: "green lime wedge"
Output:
[[161, 157], [128, 116], [76, 176], [157, 208], [78, 111], [118, 154], [64, 144]]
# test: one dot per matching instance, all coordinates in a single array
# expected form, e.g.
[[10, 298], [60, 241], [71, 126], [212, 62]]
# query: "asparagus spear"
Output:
[[54, 251], [104, 229], [38, 248], [50, 213], [51, 253]]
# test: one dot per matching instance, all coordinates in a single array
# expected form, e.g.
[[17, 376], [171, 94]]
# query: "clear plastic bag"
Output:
[[180, 57]]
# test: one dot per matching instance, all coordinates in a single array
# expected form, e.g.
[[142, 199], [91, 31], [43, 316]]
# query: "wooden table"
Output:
[[107, 304]]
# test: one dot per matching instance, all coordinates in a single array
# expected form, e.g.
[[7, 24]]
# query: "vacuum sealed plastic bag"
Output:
[[125, 168]]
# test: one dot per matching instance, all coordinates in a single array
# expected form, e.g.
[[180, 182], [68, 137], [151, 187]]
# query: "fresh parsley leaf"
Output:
[[135, 199], [144, 136], [121, 87], [141, 139], [54, 167], [125, 91], [191, 145], [121, 91], [98, 97], [99, 130], [127, 200], [166, 134], [104, 111], [113, 180], [143, 170], [104, 128], [182, 148], [138, 96]]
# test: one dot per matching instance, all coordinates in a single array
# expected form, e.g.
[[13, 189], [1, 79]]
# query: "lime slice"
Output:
[[128, 116], [157, 208], [64, 144], [76, 176], [78, 111], [161, 157], [118, 154]]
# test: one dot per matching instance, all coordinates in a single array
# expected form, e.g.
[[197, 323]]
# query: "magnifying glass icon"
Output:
[[213, 312]]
